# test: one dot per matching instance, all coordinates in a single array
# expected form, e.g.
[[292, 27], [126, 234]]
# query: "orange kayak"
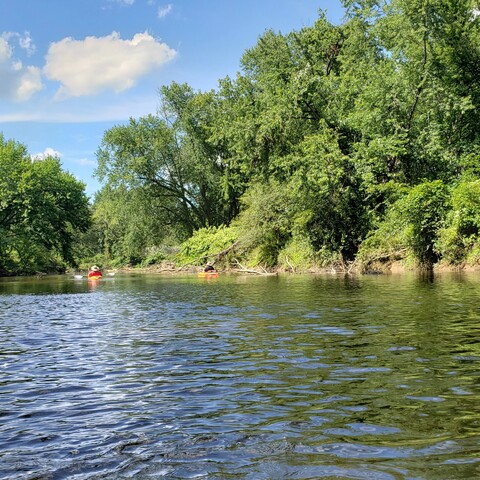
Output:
[[208, 274]]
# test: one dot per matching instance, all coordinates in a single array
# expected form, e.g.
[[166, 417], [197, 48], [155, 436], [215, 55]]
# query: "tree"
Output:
[[170, 158], [414, 223], [41, 209], [323, 138], [417, 85], [328, 196], [129, 223]]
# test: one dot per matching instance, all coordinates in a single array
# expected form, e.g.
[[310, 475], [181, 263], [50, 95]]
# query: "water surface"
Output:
[[289, 377]]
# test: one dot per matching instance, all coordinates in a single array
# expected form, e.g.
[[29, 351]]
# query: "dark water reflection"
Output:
[[240, 377]]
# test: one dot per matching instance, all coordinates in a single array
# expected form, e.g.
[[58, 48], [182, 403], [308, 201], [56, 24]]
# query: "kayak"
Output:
[[208, 274]]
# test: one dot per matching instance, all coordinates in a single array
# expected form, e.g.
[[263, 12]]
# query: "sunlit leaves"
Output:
[[41, 209]]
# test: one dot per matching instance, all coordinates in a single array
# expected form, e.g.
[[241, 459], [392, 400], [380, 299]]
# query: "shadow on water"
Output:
[[295, 377]]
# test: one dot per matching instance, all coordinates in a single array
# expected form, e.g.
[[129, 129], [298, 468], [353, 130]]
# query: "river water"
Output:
[[288, 377]]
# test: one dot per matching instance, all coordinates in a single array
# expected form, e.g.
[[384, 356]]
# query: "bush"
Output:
[[297, 255], [205, 244], [266, 222], [411, 227], [459, 238], [154, 255], [423, 210]]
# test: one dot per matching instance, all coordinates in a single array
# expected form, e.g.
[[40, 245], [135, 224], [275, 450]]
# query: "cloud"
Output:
[[86, 67], [164, 11], [18, 83], [48, 152], [86, 162], [24, 41], [5, 50]]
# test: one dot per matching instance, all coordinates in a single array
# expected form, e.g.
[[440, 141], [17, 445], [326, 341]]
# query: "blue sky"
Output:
[[72, 69]]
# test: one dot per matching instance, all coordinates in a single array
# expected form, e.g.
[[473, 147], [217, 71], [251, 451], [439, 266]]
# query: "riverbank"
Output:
[[353, 268], [394, 267]]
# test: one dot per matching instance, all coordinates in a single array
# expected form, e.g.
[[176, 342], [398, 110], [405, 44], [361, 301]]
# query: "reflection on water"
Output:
[[294, 377]]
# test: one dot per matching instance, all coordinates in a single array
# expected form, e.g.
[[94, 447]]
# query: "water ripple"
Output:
[[295, 378]]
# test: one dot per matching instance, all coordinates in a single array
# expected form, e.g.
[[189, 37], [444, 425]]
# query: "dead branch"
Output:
[[217, 256], [289, 264], [248, 270]]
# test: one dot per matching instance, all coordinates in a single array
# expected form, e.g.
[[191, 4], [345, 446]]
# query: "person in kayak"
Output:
[[95, 272], [209, 269]]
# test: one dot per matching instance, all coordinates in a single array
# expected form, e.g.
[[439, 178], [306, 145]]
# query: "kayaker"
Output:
[[94, 272], [209, 268]]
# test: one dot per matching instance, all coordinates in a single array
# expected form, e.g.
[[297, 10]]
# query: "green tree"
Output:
[[129, 223], [412, 224], [42, 208], [169, 157], [329, 135], [328, 198], [415, 85], [459, 239]]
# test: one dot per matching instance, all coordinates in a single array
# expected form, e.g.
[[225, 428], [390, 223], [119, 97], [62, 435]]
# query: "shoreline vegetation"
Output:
[[394, 268], [350, 148]]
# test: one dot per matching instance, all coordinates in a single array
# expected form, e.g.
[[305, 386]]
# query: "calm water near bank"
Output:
[[289, 377]]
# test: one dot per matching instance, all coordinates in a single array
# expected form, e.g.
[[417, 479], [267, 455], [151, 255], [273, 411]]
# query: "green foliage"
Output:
[[459, 239], [129, 224], [42, 209], [423, 211], [327, 195], [265, 224], [334, 142], [205, 245], [297, 255], [171, 158], [385, 244], [411, 226], [154, 256]]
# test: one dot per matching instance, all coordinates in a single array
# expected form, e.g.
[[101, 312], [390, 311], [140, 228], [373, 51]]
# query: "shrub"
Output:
[[459, 238], [297, 255], [205, 244], [266, 222], [411, 227]]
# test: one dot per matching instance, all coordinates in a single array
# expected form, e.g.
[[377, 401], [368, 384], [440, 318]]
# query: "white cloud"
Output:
[[86, 67], [164, 11], [48, 152], [30, 82], [86, 162], [5, 50], [18, 83], [25, 41]]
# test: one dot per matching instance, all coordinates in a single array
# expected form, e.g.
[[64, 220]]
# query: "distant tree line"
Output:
[[351, 144], [335, 143]]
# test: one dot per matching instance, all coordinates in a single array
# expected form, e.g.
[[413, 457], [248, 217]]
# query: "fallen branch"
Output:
[[221, 254], [248, 270], [290, 265], [217, 256]]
